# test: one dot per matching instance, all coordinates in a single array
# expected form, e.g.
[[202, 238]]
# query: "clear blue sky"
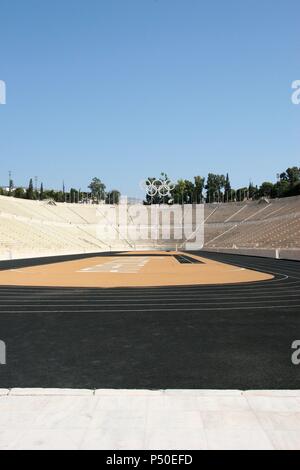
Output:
[[123, 89]]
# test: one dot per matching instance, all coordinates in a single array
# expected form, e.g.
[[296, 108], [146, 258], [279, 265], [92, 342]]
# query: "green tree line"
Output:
[[214, 188], [96, 193], [217, 188]]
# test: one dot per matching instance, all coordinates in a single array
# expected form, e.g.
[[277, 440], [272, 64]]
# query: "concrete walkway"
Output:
[[144, 419]]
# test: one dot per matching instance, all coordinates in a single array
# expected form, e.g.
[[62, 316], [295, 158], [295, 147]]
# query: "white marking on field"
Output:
[[124, 264], [17, 270], [238, 269]]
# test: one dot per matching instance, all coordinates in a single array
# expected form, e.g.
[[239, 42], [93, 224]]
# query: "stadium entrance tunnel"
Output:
[[128, 269]]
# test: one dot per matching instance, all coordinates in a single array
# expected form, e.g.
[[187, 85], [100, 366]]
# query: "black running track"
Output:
[[212, 337]]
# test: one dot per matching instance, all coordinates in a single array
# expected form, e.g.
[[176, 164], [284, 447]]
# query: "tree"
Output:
[[42, 192], [294, 190], [11, 186], [266, 189], [227, 187], [97, 189], [241, 194], [283, 176], [293, 175], [73, 195], [64, 192], [280, 189], [30, 192], [199, 186], [19, 193], [189, 192], [153, 184], [252, 191], [214, 185], [151, 198], [113, 197], [180, 190]]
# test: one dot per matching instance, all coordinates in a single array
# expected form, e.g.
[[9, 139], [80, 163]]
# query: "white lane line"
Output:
[[209, 302], [150, 298], [34, 302], [155, 309], [258, 267], [198, 289]]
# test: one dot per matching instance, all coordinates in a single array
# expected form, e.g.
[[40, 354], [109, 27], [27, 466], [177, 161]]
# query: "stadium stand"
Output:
[[255, 227], [41, 228]]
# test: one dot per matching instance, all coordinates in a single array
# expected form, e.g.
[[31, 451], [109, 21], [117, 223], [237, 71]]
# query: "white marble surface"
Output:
[[50, 391], [145, 419]]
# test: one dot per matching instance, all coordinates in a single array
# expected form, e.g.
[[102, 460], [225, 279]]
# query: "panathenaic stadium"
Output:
[[140, 310], [43, 228]]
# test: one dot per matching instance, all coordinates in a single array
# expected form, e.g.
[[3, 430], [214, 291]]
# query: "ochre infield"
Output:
[[138, 269]]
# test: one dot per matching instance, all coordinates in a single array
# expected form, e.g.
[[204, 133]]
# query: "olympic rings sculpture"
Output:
[[161, 187]]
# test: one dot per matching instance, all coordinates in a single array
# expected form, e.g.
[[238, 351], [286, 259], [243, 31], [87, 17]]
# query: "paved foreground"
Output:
[[143, 419]]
